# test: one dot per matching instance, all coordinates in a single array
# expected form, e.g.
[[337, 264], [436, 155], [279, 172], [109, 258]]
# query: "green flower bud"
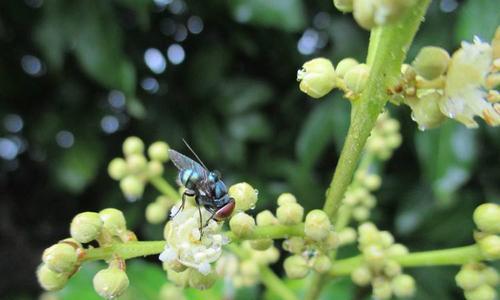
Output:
[[286, 198], [332, 240], [425, 111], [317, 225], [372, 182], [156, 212], [483, 292], [294, 245], [136, 163], [490, 276], [113, 221], [60, 258], [261, 244], [296, 267], [397, 250], [468, 278], [322, 263], [155, 168], [357, 77], [317, 77], [169, 292], [132, 187], [360, 213], [343, 5], [431, 62], [86, 227], [374, 256], [361, 276], [133, 145], [347, 63], [50, 280], [158, 151], [200, 281], [290, 214], [117, 168], [268, 256], [490, 247], [392, 268], [265, 218], [386, 239], [487, 217], [363, 13], [110, 283], [403, 286], [180, 279], [174, 265], [382, 288], [244, 195], [248, 268], [242, 224], [347, 236], [369, 201]]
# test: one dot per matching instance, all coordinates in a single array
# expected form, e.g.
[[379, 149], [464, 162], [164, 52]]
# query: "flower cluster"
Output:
[[487, 216], [462, 87], [135, 170], [384, 138], [379, 267], [478, 281]]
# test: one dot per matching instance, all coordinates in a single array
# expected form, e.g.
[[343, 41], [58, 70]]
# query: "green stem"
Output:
[[270, 232], [453, 256], [125, 251], [165, 188]]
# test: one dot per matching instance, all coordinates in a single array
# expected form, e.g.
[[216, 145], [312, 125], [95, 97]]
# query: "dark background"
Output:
[[75, 82]]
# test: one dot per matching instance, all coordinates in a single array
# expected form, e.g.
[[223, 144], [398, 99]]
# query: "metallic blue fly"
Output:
[[206, 186]]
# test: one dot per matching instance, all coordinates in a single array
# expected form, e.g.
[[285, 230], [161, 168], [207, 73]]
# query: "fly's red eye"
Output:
[[225, 211]]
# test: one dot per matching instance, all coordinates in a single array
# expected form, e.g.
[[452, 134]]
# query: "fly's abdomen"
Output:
[[189, 178]]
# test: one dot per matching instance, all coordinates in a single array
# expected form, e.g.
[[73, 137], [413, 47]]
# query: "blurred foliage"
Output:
[[74, 83]]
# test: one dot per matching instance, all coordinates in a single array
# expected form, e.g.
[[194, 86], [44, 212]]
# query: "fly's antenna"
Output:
[[192, 151]]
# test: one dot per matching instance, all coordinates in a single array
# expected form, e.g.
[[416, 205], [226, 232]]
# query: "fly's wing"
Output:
[[183, 162]]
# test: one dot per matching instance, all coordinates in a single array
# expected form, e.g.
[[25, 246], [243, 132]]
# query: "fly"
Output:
[[205, 186]]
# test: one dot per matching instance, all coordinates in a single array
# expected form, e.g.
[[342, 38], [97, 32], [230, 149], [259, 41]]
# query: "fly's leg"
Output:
[[199, 212], [211, 217], [187, 192]]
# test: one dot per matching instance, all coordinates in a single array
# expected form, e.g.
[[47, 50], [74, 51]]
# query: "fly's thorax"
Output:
[[189, 178], [220, 190]]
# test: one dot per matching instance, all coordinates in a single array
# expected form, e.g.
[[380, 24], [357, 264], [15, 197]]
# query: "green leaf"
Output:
[[79, 286], [241, 95], [249, 127], [446, 156], [287, 15], [146, 280], [478, 17]]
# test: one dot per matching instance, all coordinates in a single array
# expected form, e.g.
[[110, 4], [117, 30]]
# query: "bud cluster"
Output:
[[379, 267], [487, 216], [157, 211], [478, 281], [358, 196], [135, 170], [384, 138], [462, 86]]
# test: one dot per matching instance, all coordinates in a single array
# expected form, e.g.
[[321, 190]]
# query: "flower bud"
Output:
[[132, 187], [483, 292], [392, 268], [343, 5], [360, 213], [290, 214], [426, 112], [158, 151], [242, 224], [431, 62], [347, 236], [155, 168], [317, 77], [244, 195], [50, 280], [345, 64], [248, 268], [357, 77], [322, 263], [60, 258], [361, 275], [133, 145], [265, 218], [397, 250], [174, 265], [403, 286], [286, 198], [468, 278], [317, 225], [487, 217], [261, 244], [110, 283], [294, 244], [490, 276], [86, 227], [180, 279], [156, 212], [200, 281], [372, 182], [117, 168], [136, 163], [363, 13], [296, 267], [386, 239], [374, 256], [332, 240], [382, 288], [490, 247], [113, 221]]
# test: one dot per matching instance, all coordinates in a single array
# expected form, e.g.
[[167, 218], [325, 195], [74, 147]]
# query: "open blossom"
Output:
[[184, 244], [465, 93]]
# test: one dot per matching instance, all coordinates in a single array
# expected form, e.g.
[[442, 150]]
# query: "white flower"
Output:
[[188, 246], [464, 93]]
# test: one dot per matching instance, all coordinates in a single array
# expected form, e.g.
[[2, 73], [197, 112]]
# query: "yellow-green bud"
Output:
[[360, 213], [248, 268], [431, 62], [136, 163], [158, 151], [357, 77], [245, 196], [361, 275], [117, 168], [174, 265], [483, 292], [290, 214], [426, 112], [347, 63], [133, 145], [113, 221], [372, 182], [397, 250], [343, 5], [60, 258], [332, 240], [296, 267], [392, 268], [386, 239], [286, 198], [317, 77], [200, 281], [490, 276], [180, 279], [294, 244], [132, 187], [374, 256], [242, 224], [110, 283], [169, 292], [322, 263], [155, 168], [487, 217], [261, 244], [382, 288], [50, 280], [403, 286], [468, 278], [317, 225], [265, 218], [363, 13], [369, 201], [490, 246], [347, 236], [156, 212], [86, 227]]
